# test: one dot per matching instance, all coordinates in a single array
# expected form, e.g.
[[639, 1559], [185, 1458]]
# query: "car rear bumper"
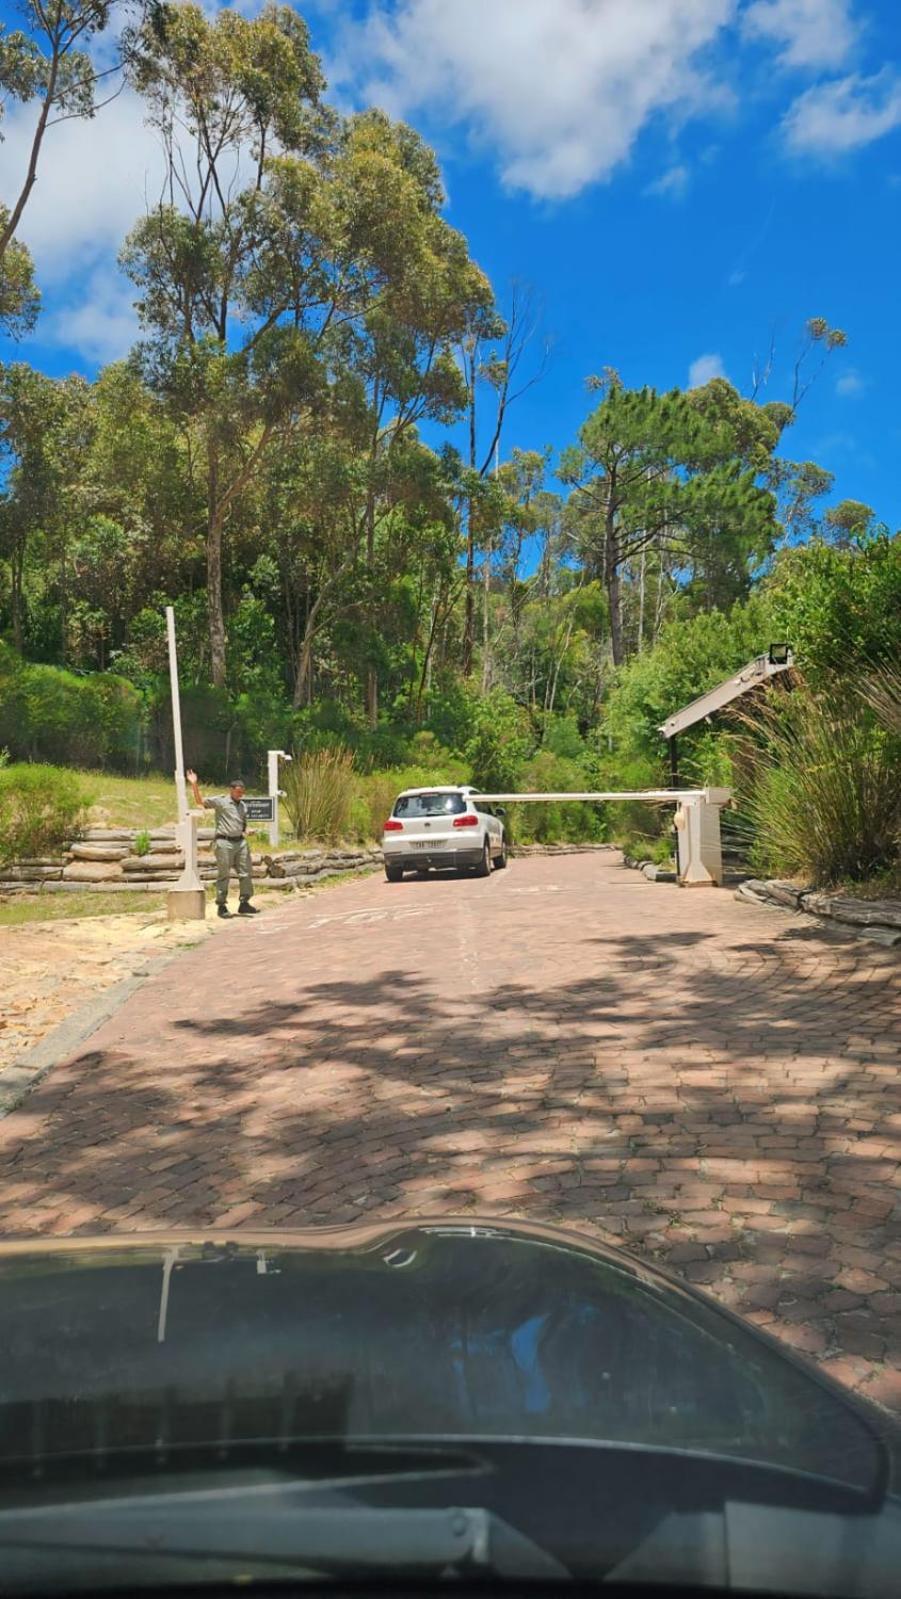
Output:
[[409, 859]]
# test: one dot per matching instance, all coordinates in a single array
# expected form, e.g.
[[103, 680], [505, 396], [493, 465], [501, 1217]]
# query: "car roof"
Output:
[[440, 788]]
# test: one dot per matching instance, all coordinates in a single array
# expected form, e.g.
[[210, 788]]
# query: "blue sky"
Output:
[[678, 182]]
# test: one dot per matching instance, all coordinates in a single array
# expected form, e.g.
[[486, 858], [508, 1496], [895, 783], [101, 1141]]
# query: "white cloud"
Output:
[[704, 369], [557, 90], [97, 319], [850, 384], [834, 118], [94, 181], [672, 184], [809, 33]]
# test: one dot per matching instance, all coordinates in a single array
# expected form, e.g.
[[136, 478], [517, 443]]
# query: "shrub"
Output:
[[40, 808], [824, 796], [500, 742], [566, 821], [141, 843], [48, 714], [319, 794], [689, 658], [839, 608]]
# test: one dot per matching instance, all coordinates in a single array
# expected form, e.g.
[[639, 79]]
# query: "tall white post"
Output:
[[275, 792], [180, 786], [187, 900]]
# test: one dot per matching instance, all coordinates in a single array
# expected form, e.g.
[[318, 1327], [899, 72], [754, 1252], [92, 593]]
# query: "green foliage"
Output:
[[689, 658], [823, 791], [319, 794], [839, 608], [640, 829], [41, 808], [500, 742], [47, 714], [141, 843], [553, 823]]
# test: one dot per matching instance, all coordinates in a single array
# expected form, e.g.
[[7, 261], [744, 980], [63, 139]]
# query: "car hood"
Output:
[[450, 1328]]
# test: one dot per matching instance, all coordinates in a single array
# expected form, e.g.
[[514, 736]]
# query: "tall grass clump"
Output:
[[319, 794], [824, 788]]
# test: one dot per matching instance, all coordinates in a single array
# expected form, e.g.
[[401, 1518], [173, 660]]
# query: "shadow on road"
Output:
[[706, 1109]]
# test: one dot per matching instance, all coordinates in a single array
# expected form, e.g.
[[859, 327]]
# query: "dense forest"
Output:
[[312, 453]]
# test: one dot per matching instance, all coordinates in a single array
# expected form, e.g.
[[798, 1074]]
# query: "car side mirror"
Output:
[[500, 810]]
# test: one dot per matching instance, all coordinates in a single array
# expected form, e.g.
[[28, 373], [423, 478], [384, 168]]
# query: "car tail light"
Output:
[[466, 821], [393, 827]]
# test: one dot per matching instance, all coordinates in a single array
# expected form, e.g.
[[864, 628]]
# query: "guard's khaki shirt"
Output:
[[231, 815]]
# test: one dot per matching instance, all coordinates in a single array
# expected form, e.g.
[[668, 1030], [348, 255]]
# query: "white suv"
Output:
[[441, 827]]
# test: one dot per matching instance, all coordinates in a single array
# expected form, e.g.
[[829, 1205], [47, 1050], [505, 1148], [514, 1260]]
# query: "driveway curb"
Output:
[[18, 1080]]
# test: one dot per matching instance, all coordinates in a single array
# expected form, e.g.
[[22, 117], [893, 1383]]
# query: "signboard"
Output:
[[259, 810]]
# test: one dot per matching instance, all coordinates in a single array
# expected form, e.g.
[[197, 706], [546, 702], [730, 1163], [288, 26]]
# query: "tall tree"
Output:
[[286, 232], [649, 469]]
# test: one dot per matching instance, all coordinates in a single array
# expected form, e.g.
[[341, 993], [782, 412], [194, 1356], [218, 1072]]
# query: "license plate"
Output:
[[428, 843]]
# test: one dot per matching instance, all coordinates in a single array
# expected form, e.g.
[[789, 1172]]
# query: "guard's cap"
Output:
[[236, 782]]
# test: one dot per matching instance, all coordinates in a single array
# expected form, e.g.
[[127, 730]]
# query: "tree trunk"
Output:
[[17, 568], [486, 648], [641, 584], [469, 619], [613, 586], [304, 671], [214, 577], [372, 697]]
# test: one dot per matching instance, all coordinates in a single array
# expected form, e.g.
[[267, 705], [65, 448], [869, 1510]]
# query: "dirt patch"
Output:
[[50, 969]]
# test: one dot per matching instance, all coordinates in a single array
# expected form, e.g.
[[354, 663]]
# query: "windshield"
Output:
[[437, 804]]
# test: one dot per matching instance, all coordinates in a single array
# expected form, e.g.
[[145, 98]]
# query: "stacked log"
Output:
[[103, 859]]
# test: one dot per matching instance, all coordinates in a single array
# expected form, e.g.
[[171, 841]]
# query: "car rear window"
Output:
[[430, 805]]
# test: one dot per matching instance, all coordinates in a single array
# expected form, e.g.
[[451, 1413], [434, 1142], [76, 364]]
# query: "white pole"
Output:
[[273, 795], [181, 790]]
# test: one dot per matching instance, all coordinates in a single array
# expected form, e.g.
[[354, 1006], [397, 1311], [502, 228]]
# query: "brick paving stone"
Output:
[[707, 1082]]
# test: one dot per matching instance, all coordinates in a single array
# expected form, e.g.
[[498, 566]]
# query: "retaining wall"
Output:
[[104, 859]]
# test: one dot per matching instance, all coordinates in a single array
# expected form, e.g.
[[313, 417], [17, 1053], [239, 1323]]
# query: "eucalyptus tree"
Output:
[[288, 243]]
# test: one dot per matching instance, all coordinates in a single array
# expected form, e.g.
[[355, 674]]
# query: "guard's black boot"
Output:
[[223, 911], [246, 909]]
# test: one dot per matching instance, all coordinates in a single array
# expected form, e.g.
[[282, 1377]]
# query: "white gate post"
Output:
[[187, 900], [275, 792], [700, 844]]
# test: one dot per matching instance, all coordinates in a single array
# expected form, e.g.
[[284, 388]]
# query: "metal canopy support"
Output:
[[758, 671]]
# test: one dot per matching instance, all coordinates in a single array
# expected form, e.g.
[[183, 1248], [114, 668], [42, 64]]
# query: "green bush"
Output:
[[823, 792], [141, 843], [40, 808], [567, 822], [689, 658], [501, 741], [319, 794], [839, 608], [48, 714]]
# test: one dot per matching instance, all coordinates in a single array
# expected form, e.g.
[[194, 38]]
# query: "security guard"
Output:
[[232, 853]]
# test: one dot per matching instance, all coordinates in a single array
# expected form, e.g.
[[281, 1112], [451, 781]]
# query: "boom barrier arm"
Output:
[[697, 822]]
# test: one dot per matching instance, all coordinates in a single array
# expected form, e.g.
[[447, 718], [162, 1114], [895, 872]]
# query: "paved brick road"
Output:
[[715, 1084]]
